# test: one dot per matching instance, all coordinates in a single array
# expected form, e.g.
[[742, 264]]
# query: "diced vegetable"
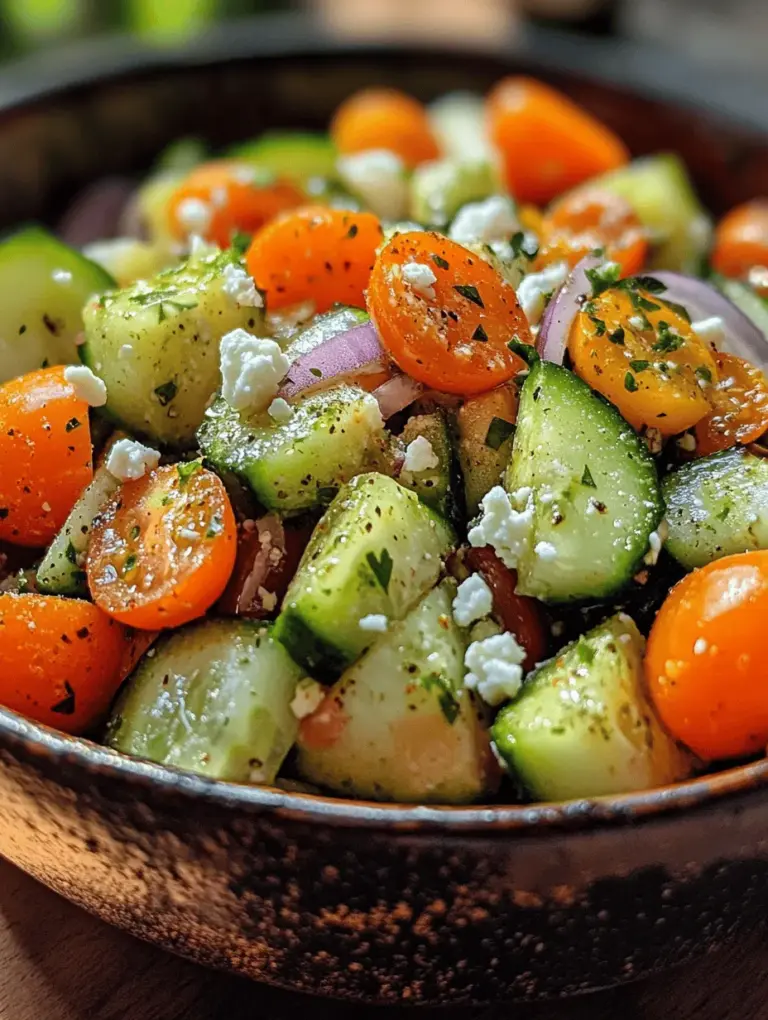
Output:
[[384, 119], [433, 476], [485, 428], [296, 155], [439, 189]]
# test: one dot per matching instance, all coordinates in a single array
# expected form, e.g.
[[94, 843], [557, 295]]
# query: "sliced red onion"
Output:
[[95, 213], [701, 300], [562, 309], [352, 353], [397, 393]]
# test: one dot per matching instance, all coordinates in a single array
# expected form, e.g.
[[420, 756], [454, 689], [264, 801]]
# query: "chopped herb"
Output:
[[241, 242], [71, 553], [603, 277], [215, 527], [381, 567], [668, 341], [630, 383], [526, 351], [186, 469], [352, 232], [470, 292], [316, 372], [518, 243], [135, 532], [587, 479], [639, 366], [702, 372], [4, 511], [72, 424], [67, 704], [723, 513], [681, 310], [498, 432], [598, 324], [166, 392], [440, 262], [642, 303], [166, 501], [617, 336], [649, 283], [589, 307], [480, 334], [585, 652], [130, 562], [446, 696]]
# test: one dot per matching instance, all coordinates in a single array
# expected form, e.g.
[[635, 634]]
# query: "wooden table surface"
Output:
[[58, 963]]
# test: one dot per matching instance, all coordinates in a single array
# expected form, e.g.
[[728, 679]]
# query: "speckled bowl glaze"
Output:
[[379, 903]]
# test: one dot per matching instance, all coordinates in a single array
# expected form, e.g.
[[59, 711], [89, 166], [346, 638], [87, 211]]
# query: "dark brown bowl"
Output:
[[383, 903]]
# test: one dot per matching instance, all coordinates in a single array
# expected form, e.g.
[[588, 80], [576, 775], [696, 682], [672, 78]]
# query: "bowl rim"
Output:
[[32, 81]]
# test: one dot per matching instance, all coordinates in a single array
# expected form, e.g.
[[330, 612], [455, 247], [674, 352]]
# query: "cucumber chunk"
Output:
[[440, 188], [485, 428], [215, 698], [582, 725], [181, 156], [717, 506], [593, 485], [332, 436], [411, 732], [297, 155], [661, 193], [749, 302], [377, 550], [433, 485], [156, 346], [44, 285]]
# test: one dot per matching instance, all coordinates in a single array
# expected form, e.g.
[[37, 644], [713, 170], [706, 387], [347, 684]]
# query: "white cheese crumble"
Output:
[[700, 646], [46, 508], [483, 222], [194, 216], [501, 526], [545, 551], [87, 386], [473, 601], [374, 622], [638, 323], [280, 411], [687, 442], [711, 330], [494, 668], [656, 540], [420, 278], [129, 460], [252, 369], [536, 288], [268, 598], [378, 177], [308, 698], [239, 286], [420, 456], [62, 276]]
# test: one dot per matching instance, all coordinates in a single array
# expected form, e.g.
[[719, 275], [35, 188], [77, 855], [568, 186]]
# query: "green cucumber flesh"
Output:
[[440, 188], [297, 155], [434, 486]]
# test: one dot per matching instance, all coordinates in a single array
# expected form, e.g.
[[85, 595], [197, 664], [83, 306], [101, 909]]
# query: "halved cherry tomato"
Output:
[[642, 354], [62, 660], [518, 614], [385, 119], [741, 240], [220, 198], [454, 335], [315, 254], [547, 142], [45, 455], [163, 548], [739, 406], [705, 664], [589, 218]]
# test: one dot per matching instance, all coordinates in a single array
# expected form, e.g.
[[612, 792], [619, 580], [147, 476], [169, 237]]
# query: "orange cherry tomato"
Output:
[[62, 660], [218, 199], [739, 406], [642, 354], [589, 218], [45, 455], [741, 240], [547, 142], [385, 119], [163, 548], [454, 334], [315, 254], [705, 664]]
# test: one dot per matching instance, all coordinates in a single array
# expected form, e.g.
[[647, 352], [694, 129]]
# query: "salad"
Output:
[[420, 461]]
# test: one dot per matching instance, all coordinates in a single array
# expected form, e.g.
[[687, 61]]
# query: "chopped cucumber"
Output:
[[593, 484], [156, 346], [459, 122], [181, 156], [411, 731], [214, 698], [321, 328], [44, 284], [717, 506], [485, 427], [127, 259], [297, 155], [433, 485], [582, 725], [440, 188], [332, 436], [511, 264], [661, 193], [749, 302], [150, 206], [377, 551]]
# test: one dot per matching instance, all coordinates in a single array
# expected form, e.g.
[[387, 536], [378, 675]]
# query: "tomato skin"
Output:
[[385, 119], [45, 455], [739, 406], [741, 240], [589, 218], [705, 664]]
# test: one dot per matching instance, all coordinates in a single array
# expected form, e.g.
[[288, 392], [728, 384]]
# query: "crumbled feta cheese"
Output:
[[252, 369], [536, 288], [656, 540], [473, 601], [87, 386], [378, 177], [129, 460], [375, 622], [420, 456], [494, 668], [308, 697], [125, 352], [62, 276], [711, 330], [483, 222], [501, 526], [420, 278], [280, 410], [637, 322], [219, 197], [46, 508], [194, 215], [268, 598], [239, 286], [189, 534], [758, 277], [687, 442], [545, 551], [700, 646]]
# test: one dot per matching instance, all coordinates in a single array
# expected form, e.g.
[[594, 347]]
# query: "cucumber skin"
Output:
[[297, 155], [535, 463], [436, 487]]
